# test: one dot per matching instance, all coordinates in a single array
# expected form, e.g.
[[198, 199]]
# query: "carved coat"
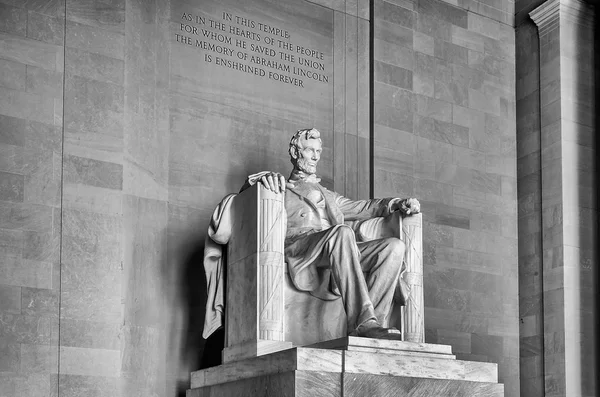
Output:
[[305, 238]]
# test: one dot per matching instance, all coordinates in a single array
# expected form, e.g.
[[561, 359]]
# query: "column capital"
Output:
[[546, 16], [549, 15]]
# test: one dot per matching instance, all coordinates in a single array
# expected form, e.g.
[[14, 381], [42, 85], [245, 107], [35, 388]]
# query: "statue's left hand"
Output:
[[407, 206]]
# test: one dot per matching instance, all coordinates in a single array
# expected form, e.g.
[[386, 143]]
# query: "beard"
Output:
[[304, 165]]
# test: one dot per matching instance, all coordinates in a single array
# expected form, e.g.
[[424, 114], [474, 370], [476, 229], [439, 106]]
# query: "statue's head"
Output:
[[305, 150]]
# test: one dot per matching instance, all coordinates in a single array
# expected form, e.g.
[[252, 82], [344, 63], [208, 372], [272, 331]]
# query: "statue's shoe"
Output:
[[372, 329]]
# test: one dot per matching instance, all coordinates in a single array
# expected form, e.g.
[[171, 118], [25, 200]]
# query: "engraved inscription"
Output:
[[249, 46]]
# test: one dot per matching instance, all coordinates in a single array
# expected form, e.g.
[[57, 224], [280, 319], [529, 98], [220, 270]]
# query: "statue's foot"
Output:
[[372, 329]]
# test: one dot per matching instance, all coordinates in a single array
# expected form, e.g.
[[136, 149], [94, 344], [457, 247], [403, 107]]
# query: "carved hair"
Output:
[[298, 137]]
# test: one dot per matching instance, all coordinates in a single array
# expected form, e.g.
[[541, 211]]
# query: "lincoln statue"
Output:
[[322, 251]]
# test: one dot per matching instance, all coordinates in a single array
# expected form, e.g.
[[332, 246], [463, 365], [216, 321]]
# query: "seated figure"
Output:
[[322, 251]]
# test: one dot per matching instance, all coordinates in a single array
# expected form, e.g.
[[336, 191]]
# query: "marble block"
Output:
[[351, 366], [384, 386], [353, 343]]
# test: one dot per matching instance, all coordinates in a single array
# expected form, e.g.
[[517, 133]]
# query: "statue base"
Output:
[[351, 366]]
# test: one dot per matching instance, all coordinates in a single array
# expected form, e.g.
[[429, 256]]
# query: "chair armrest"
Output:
[[254, 319]]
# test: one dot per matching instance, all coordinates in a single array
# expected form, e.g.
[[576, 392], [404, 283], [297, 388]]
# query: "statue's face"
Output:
[[309, 155]]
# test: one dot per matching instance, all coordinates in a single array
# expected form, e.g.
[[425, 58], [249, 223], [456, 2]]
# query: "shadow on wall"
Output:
[[184, 286], [188, 350], [596, 285]]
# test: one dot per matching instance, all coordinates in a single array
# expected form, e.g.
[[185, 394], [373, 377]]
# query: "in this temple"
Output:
[[298, 197]]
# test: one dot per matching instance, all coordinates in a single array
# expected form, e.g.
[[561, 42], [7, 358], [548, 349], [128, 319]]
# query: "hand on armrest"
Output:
[[407, 206], [273, 181]]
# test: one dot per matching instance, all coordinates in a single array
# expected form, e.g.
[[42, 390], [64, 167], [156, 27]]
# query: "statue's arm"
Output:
[[365, 209]]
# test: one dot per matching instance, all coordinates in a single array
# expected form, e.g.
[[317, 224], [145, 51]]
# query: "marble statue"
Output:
[[297, 257], [324, 255]]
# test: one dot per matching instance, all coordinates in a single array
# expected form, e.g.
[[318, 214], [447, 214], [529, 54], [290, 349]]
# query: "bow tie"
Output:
[[301, 177]]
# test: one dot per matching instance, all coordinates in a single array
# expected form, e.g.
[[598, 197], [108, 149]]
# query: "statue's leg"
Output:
[[382, 260], [344, 262]]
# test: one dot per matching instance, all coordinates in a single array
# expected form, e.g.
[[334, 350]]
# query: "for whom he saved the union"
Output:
[[323, 253]]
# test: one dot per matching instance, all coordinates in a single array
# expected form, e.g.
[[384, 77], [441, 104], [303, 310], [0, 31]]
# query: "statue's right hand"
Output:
[[273, 181]]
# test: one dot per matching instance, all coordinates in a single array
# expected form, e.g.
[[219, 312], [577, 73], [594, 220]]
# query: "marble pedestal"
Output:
[[348, 367]]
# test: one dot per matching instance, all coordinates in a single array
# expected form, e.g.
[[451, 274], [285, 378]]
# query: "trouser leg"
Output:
[[344, 262], [382, 260]]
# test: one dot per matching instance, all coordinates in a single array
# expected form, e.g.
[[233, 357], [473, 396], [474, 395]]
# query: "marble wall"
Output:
[[115, 148], [31, 144], [497, 10], [444, 131]]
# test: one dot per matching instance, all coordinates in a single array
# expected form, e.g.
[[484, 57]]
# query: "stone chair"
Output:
[[266, 313]]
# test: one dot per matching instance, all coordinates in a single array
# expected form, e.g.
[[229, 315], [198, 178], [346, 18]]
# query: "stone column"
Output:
[[569, 206]]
